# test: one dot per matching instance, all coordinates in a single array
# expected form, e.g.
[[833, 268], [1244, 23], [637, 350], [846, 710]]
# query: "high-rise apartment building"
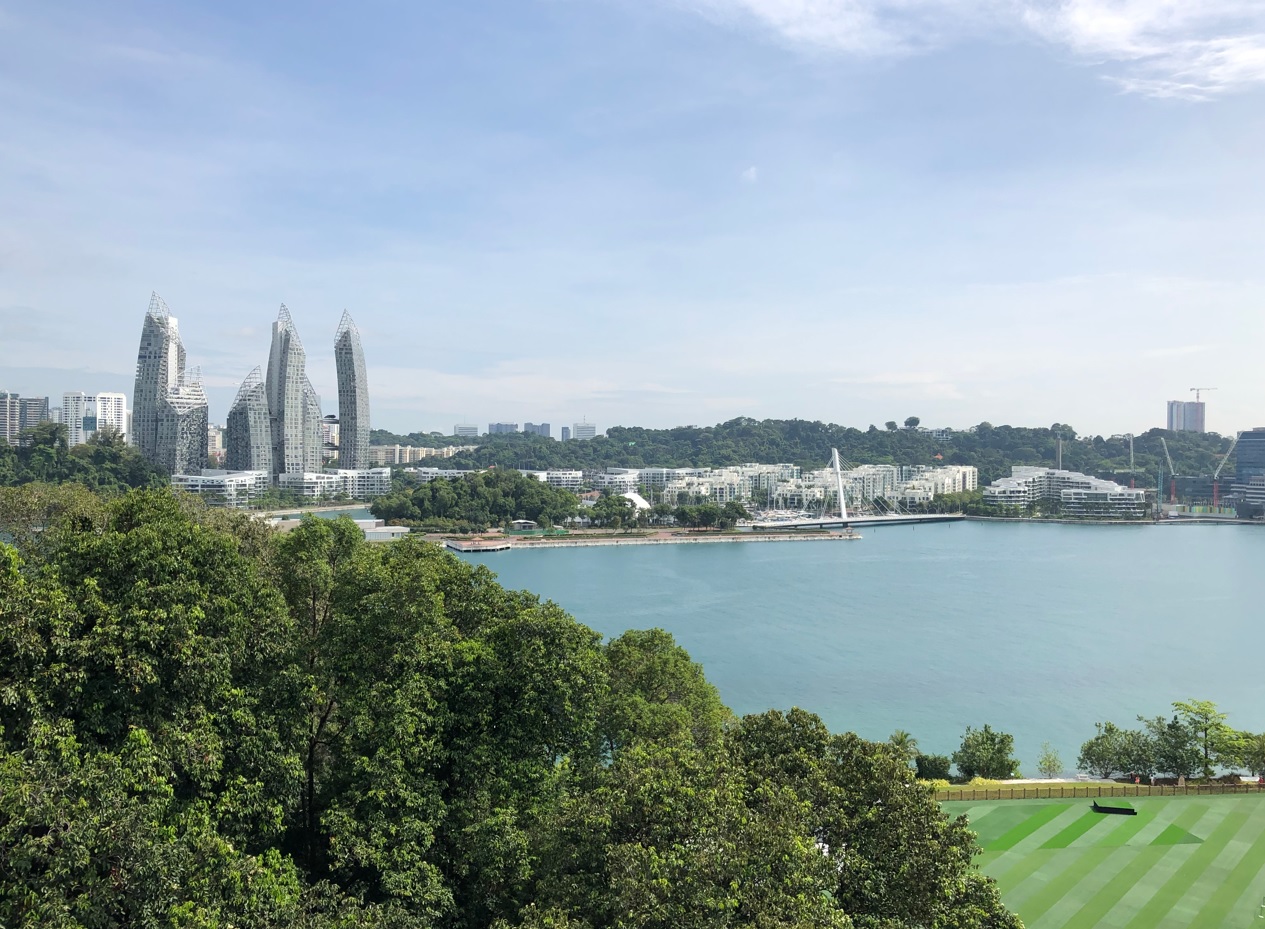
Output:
[[248, 430], [501, 428], [466, 430], [159, 368], [183, 427], [566, 433], [294, 407], [540, 429], [1186, 416], [169, 409], [583, 430], [353, 396], [18, 414], [84, 415]]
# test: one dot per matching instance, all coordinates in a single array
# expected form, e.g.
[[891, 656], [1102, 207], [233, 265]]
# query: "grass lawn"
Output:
[[1182, 861]]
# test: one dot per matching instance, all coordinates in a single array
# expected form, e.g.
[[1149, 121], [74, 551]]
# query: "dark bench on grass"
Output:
[[1118, 810]]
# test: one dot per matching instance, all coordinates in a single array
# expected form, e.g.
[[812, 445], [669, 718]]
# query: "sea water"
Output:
[[1037, 630]]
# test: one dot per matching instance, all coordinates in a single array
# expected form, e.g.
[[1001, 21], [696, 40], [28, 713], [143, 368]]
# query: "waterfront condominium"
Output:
[[159, 364], [169, 411], [293, 406], [353, 396], [182, 426], [248, 431]]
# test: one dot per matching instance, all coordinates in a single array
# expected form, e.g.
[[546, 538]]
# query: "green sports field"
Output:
[[1182, 861]]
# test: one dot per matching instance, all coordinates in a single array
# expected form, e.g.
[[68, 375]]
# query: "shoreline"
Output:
[[1180, 521], [459, 545]]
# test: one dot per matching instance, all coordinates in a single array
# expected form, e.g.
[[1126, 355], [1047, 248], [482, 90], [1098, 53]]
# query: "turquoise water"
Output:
[[1039, 630]]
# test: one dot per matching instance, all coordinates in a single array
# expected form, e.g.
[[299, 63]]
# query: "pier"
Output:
[[857, 522]]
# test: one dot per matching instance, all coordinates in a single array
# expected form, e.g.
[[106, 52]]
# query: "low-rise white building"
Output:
[[1076, 494], [567, 480], [224, 488]]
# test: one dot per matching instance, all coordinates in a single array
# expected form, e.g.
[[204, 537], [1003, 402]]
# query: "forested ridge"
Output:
[[205, 722], [993, 449], [105, 463]]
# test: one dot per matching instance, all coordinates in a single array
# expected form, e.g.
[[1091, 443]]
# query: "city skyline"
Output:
[[657, 213]]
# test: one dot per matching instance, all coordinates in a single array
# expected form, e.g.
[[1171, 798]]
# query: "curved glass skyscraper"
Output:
[[293, 406], [353, 396], [167, 406], [248, 431]]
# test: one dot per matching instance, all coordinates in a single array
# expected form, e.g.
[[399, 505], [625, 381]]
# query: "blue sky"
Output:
[[658, 212]]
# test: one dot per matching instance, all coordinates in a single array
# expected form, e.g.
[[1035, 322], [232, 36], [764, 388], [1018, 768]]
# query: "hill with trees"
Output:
[[209, 723], [105, 463], [992, 449]]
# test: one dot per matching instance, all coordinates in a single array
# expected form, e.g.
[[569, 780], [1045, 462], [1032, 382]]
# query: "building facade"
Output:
[[293, 406], [540, 429], [18, 414], [566, 433], [1186, 416], [248, 430], [583, 430], [159, 368], [466, 430], [1076, 494], [183, 427], [224, 488], [502, 428], [84, 415], [353, 396]]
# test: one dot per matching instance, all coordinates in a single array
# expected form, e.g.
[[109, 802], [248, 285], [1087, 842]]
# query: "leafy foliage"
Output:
[[993, 449], [477, 501], [985, 753], [105, 463], [206, 723]]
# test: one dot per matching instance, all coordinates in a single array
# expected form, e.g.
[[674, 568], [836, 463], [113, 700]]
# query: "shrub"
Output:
[[932, 767]]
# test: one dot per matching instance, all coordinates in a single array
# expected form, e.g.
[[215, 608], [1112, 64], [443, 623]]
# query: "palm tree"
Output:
[[904, 743]]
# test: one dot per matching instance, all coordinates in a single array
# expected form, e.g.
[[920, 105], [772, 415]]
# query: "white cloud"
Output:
[[1192, 49], [751, 174]]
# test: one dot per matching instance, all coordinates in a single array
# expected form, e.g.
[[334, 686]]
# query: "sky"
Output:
[[649, 212]]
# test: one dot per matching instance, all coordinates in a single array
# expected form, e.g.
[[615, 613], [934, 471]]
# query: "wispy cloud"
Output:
[[1191, 49], [751, 174]]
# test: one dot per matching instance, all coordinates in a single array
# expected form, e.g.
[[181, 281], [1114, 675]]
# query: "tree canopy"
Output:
[[105, 463], [993, 449], [205, 722]]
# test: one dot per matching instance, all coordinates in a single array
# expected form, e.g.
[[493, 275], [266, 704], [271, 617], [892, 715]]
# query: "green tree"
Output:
[[1217, 741], [932, 767], [1048, 762], [905, 745], [1176, 749], [985, 753], [658, 694], [1253, 751], [1100, 755], [912, 422]]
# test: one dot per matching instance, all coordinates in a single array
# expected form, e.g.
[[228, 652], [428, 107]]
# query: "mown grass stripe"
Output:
[[1213, 882], [1001, 821], [1144, 860], [1240, 895], [1016, 866], [1030, 825], [1171, 891], [1125, 832], [1051, 887], [1088, 820], [1056, 916]]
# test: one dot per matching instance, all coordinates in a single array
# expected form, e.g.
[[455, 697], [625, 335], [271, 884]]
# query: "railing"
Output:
[[1073, 791]]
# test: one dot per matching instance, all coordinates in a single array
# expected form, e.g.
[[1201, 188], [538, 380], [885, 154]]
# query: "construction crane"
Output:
[[1172, 483], [1199, 390], [1216, 488]]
